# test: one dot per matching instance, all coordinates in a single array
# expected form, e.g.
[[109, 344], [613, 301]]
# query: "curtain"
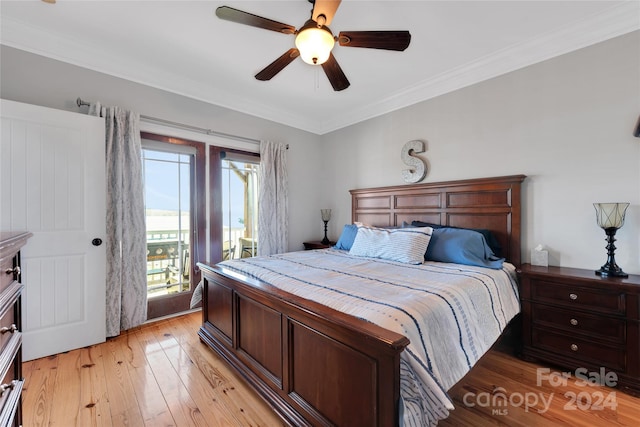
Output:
[[126, 246], [273, 210]]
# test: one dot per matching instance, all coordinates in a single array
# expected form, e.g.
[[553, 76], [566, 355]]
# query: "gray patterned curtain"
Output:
[[273, 199], [126, 229]]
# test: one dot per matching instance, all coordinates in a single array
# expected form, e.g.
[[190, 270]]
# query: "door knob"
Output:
[[96, 242]]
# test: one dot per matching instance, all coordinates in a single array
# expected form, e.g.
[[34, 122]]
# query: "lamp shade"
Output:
[[326, 214], [314, 43], [610, 215]]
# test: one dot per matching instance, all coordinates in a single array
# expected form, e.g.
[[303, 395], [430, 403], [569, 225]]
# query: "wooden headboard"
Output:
[[488, 203]]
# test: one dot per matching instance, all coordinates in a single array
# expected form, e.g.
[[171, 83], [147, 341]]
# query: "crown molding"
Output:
[[25, 36], [616, 21]]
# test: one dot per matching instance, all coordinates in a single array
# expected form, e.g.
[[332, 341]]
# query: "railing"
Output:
[[236, 245], [169, 263]]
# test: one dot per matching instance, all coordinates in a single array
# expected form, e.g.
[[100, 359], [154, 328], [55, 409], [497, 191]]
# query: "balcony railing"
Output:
[[169, 263]]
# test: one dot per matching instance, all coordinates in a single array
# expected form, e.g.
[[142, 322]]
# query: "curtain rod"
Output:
[[81, 102]]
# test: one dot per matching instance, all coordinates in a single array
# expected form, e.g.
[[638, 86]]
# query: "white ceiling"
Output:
[[182, 47]]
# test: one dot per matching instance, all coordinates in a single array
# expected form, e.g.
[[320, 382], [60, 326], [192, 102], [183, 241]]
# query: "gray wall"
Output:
[[566, 123], [29, 78]]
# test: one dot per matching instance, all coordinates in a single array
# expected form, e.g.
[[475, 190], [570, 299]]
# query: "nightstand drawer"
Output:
[[596, 327], [594, 353], [597, 300]]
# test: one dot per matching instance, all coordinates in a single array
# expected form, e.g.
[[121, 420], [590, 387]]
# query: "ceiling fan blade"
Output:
[[388, 40], [335, 74], [234, 15], [324, 7], [276, 66]]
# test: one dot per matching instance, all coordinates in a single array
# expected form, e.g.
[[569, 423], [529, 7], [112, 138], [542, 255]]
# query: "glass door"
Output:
[[174, 186], [167, 208], [239, 206]]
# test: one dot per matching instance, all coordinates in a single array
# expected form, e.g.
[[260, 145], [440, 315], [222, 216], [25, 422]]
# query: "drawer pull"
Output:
[[574, 347], [9, 386], [15, 270], [574, 322], [573, 297], [11, 329]]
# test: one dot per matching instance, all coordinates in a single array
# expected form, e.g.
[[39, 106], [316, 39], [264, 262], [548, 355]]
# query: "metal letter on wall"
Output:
[[418, 167]]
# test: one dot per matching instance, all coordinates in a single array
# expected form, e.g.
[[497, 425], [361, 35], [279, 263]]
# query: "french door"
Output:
[[234, 185], [239, 182], [175, 216]]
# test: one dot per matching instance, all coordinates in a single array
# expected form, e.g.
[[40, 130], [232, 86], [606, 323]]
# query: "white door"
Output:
[[52, 183]]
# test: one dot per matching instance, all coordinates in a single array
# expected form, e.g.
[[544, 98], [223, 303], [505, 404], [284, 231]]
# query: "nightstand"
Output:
[[317, 245], [575, 319]]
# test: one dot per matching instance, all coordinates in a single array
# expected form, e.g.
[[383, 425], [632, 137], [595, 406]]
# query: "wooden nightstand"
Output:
[[317, 245], [575, 319]]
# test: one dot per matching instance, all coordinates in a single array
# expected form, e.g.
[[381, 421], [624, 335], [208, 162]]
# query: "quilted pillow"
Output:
[[461, 246], [406, 245], [345, 241]]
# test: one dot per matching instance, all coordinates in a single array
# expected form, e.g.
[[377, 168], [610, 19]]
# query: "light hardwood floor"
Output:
[[162, 375]]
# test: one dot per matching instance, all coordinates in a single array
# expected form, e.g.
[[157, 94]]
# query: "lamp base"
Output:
[[611, 272], [611, 268], [326, 240]]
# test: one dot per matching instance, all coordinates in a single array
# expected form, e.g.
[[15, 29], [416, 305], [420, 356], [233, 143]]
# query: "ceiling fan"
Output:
[[314, 40]]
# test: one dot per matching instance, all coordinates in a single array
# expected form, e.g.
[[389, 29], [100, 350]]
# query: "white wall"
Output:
[[565, 123], [33, 79]]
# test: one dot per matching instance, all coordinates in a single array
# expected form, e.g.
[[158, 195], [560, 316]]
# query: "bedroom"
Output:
[[566, 123]]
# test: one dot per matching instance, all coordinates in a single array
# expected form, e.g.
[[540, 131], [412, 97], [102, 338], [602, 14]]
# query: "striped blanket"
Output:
[[451, 313]]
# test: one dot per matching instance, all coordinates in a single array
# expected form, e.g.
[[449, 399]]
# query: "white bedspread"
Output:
[[451, 313]]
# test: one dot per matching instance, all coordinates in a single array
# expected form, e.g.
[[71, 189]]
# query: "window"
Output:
[[239, 208], [174, 184], [167, 208], [233, 182]]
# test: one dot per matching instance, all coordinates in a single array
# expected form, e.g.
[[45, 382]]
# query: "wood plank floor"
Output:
[[162, 375]]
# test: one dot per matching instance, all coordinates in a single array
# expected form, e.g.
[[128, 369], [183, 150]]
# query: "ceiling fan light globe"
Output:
[[315, 45]]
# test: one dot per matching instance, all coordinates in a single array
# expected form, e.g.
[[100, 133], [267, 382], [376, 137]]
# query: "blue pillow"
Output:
[[347, 237], [461, 246], [488, 235]]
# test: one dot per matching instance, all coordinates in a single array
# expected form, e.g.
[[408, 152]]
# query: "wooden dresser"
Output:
[[574, 319], [10, 326]]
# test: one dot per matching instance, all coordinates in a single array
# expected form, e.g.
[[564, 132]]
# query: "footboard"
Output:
[[312, 364]]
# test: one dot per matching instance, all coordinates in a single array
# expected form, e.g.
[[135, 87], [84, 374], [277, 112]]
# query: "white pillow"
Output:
[[399, 244]]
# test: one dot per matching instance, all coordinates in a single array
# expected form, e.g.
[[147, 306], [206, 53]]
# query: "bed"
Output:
[[316, 362]]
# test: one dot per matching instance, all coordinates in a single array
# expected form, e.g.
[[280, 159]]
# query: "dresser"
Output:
[[574, 319], [10, 322]]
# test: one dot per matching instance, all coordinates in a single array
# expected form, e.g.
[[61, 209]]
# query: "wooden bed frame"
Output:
[[316, 366]]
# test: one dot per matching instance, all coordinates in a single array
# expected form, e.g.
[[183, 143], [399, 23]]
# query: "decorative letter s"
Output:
[[419, 168]]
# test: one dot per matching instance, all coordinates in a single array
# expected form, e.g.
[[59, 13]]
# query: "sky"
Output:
[[167, 186]]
